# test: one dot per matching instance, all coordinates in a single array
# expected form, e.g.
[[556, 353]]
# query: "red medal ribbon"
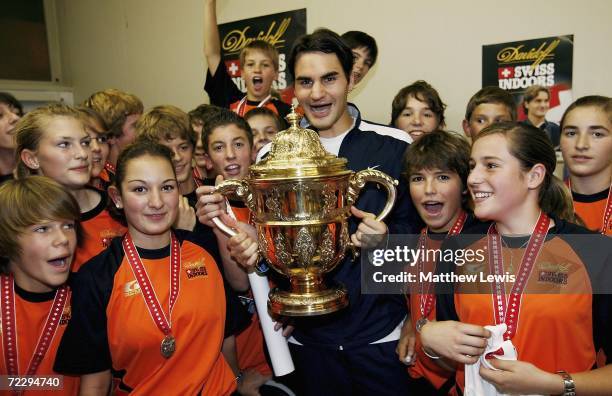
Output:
[[241, 106], [9, 328], [148, 293], [605, 226], [110, 167], [197, 177], [507, 311], [426, 298]]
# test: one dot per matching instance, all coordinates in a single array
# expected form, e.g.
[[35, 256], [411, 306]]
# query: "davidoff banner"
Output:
[[515, 66], [280, 30]]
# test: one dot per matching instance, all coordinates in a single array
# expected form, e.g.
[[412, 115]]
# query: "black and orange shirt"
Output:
[[591, 209], [562, 322], [98, 229], [32, 310], [224, 93], [114, 330], [425, 366]]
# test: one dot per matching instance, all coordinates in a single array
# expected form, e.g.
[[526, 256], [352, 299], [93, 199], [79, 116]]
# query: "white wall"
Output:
[[153, 48]]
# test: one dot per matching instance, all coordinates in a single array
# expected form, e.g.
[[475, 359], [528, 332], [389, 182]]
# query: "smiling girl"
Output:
[[37, 240], [547, 312], [153, 305], [52, 141]]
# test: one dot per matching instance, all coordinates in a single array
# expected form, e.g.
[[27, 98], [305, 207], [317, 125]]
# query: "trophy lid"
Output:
[[297, 152]]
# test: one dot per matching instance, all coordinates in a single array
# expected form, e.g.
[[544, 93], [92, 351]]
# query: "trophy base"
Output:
[[318, 302]]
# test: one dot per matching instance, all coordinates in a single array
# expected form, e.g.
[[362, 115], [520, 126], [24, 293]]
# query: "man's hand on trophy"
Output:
[[210, 204], [370, 232], [243, 246]]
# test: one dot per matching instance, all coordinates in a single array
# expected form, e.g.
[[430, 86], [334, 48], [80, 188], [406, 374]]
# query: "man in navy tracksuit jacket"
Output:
[[352, 351]]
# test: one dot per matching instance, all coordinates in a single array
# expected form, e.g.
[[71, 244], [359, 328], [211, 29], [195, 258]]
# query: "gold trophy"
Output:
[[300, 196]]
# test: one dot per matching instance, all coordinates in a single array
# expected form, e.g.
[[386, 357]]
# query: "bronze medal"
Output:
[[168, 346], [163, 322]]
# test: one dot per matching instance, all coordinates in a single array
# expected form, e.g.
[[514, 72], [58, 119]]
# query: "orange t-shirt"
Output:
[[250, 342], [98, 229], [116, 330], [560, 324], [591, 209], [32, 310]]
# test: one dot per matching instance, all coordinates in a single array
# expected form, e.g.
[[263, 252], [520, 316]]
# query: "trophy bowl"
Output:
[[300, 198]]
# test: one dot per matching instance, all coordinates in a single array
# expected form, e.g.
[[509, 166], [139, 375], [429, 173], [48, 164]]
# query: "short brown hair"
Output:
[[264, 111], [165, 123], [200, 114], [604, 103], [494, 95], [447, 151], [531, 93], [422, 91], [29, 201], [221, 119], [262, 46], [114, 106], [29, 131]]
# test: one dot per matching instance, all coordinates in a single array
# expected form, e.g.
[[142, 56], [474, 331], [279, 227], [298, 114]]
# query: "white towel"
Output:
[[475, 385]]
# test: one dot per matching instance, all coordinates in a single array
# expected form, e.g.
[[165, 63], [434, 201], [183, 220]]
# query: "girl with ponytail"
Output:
[[539, 302]]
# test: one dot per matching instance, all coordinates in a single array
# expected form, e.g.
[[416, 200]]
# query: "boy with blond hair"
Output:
[[258, 69]]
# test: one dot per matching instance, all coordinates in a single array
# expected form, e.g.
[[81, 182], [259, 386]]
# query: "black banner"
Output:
[[517, 65], [281, 30]]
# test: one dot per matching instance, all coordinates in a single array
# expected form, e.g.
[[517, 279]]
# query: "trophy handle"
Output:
[[241, 189], [359, 179]]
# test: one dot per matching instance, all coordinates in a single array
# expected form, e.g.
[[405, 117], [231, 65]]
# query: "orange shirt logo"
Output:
[[553, 273], [131, 288], [195, 269]]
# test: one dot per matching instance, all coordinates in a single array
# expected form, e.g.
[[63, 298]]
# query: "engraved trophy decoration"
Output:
[[300, 196]]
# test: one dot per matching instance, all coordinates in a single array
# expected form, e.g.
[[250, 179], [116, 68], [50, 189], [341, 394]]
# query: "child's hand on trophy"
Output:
[[210, 204], [243, 246], [370, 231]]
